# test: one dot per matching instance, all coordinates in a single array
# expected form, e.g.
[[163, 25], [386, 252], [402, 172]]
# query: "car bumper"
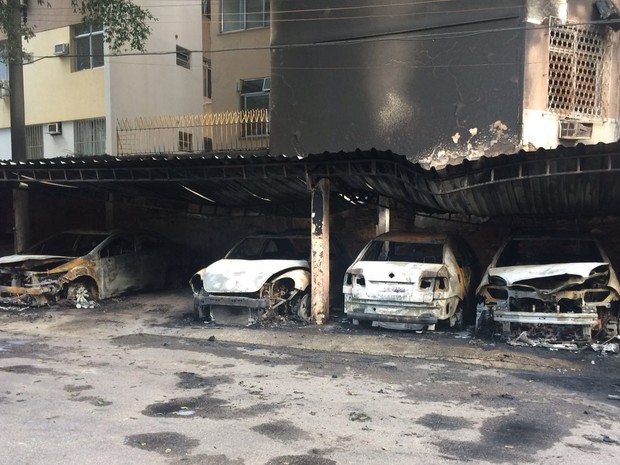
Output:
[[24, 295], [230, 301], [410, 313]]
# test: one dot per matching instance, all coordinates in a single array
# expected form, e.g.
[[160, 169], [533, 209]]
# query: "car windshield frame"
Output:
[[549, 251], [385, 250], [271, 248], [68, 244]]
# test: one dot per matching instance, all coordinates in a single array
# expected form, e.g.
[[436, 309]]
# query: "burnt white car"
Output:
[[556, 279], [85, 266], [410, 281], [262, 276]]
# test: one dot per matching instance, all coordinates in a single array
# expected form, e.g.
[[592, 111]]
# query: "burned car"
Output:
[[262, 276], [556, 281], [85, 266], [410, 281]]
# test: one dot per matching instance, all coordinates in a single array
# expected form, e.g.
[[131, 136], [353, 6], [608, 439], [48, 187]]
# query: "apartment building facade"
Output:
[[444, 81], [76, 90]]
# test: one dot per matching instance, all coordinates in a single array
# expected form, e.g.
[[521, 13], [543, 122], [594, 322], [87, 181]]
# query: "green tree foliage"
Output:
[[125, 23]]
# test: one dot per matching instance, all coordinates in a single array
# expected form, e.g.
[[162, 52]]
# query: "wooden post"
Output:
[[21, 236], [319, 234]]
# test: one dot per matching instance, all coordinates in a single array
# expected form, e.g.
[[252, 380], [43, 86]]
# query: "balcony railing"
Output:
[[209, 132]]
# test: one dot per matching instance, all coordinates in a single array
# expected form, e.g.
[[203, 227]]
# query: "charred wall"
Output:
[[423, 79]]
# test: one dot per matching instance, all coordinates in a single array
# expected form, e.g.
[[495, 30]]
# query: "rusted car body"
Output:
[[85, 266], [262, 276], [550, 280], [410, 281]]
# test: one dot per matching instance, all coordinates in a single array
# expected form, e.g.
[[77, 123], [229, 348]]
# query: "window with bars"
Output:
[[206, 78], [255, 96], [34, 142], [89, 137], [184, 57], [576, 59], [88, 41], [186, 140]]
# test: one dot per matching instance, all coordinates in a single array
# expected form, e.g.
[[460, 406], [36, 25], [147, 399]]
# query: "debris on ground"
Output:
[[607, 346], [12, 308], [524, 339]]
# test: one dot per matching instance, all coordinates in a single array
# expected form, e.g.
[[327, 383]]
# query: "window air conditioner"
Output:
[[61, 49], [574, 130], [54, 129]]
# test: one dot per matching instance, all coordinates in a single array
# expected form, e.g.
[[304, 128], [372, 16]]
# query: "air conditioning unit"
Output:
[[54, 129], [61, 49], [575, 130]]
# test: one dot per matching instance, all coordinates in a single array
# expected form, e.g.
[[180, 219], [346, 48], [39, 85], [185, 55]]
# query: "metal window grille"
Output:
[[255, 96], [34, 142], [183, 57], [185, 141], [90, 137], [206, 78], [576, 58]]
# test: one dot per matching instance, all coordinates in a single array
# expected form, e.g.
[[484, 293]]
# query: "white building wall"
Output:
[[152, 84]]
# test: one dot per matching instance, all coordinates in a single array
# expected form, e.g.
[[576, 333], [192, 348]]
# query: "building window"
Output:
[[206, 8], [185, 141], [576, 57], [4, 64], [183, 57], [90, 137], [206, 78], [34, 142], [88, 41], [255, 96], [238, 15]]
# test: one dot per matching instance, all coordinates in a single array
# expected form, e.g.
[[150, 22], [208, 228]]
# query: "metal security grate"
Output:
[[576, 56], [34, 142]]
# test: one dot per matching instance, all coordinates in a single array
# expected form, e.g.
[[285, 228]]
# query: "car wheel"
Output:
[[83, 294], [302, 307]]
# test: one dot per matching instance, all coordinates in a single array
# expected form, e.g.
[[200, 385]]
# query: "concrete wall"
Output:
[[153, 84], [421, 79], [235, 56]]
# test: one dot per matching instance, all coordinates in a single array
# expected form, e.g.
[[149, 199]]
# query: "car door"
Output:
[[119, 266]]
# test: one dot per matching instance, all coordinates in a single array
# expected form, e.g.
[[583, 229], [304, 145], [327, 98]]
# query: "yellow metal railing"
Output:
[[209, 132]]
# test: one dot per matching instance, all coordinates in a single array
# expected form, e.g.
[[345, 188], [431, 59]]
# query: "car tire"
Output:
[[302, 307], [83, 294]]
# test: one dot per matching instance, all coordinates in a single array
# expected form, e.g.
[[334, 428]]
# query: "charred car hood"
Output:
[[400, 272], [34, 261], [574, 272], [244, 276]]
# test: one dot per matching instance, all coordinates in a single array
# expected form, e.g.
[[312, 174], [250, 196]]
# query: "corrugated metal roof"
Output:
[[567, 181]]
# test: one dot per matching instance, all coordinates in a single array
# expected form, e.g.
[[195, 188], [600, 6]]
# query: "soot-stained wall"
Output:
[[421, 78]]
